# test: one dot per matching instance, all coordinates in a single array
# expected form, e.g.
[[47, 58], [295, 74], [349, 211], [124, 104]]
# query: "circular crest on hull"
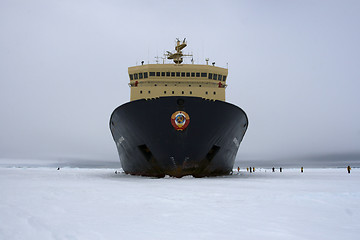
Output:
[[180, 120]]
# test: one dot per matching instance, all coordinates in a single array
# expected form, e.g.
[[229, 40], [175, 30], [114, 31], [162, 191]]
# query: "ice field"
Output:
[[95, 203]]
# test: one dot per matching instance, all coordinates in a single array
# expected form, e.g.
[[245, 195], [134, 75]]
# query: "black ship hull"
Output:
[[149, 144]]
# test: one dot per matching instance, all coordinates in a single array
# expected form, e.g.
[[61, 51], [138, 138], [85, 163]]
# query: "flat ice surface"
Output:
[[89, 203]]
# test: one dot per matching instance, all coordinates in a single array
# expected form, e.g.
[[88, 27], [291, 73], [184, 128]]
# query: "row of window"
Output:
[[182, 92], [212, 76], [223, 86], [176, 85]]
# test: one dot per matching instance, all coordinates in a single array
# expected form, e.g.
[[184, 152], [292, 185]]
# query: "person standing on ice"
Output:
[[348, 168]]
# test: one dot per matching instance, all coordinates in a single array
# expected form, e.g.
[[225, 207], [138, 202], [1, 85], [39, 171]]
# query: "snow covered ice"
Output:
[[95, 203]]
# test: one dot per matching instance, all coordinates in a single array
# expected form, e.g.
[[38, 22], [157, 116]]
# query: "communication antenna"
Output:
[[177, 56], [157, 59]]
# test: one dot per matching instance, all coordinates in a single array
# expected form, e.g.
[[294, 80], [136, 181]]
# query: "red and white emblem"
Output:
[[180, 120]]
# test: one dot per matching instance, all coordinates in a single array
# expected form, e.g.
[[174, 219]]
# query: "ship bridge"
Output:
[[177, 79]]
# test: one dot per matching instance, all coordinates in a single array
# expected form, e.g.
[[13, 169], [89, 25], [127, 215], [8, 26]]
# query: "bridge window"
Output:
[[219, 77], [131, 76], [135, 76], [187, 74], [172, 92], [204, 74], [210, 76], [163, 74], [164, 92], [168, 74], [183, 74], [178, 74], [158, 74], [197, 74], [172, 74], [192, 74], [140, 75], [224, 78], [215, 76], [152, 74], [145, 75]]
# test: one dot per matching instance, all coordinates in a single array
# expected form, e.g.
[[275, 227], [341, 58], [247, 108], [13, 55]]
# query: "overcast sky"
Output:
[[294, 67]]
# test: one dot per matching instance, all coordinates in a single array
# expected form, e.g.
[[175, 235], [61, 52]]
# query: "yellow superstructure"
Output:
[[160, 80]]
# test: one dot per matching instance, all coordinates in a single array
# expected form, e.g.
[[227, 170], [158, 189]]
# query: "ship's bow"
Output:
[[178, 136]]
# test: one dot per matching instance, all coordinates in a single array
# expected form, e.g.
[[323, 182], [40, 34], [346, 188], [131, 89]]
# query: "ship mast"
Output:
[[178, 55]]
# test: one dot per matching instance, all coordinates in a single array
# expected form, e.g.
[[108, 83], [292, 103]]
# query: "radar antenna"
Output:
[[178, 55]]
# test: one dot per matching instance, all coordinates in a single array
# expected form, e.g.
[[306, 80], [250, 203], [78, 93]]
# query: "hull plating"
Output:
[[149, 145]]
